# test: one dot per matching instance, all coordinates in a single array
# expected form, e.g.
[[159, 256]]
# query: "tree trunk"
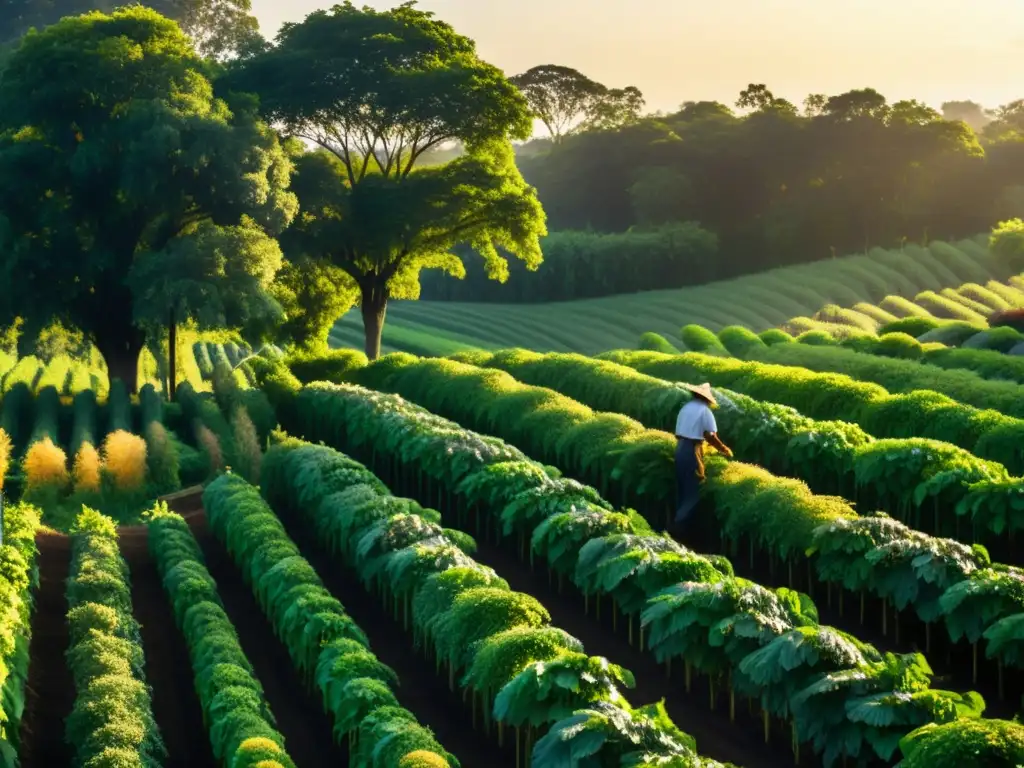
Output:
[[172, 356], [122, 357], [374, 306]]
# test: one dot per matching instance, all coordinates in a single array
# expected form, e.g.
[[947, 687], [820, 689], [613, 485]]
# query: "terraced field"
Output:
[[758, 302]]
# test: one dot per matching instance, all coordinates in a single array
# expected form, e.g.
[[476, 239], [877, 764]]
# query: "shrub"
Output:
[[952, 334], [327, 366], [47, 423], [124, 461], [247, 446], [119, 408], [161, 459], [46, 469], [697, 338], [914, 326], [1001, 339], [900, 345], [210, 446], [655, 342], [774, 336], [738, 340], [901, 307], [817, 339], [1011, 318], [86, 471], [942, 306], [422, 759]]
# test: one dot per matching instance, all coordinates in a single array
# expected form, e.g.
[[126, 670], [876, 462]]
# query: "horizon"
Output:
[[931, 51]]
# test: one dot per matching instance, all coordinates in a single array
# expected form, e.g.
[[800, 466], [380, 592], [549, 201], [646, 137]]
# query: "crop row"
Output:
[[986, 434], [236, 714], [897, 375], [499, 644], [691, 607], [931, 579], [18, 555], [112, 721], [67, 376], [326, 646], [918, 480]]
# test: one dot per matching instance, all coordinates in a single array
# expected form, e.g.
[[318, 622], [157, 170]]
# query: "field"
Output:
[[759, 302], [461, 562]]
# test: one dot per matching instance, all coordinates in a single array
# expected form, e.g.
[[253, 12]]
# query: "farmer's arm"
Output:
[[712, 437], [711, 434]]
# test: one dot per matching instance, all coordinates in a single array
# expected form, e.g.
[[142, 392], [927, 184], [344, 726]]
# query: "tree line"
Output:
[[775, 184]]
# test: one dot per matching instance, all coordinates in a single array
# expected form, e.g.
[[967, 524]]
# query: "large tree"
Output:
[[117, 161], [376, 90], [566, 101], [217, 28]]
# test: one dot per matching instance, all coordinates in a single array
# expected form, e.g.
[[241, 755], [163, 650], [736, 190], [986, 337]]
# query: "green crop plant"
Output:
[[118, 408], [83, 421], [235, 711], [47, 417], [17, 574], [112, 714], [16, 414], [435, 457], [328, 649], [526, 674], [825, 395], [698, 339], [777, 516]]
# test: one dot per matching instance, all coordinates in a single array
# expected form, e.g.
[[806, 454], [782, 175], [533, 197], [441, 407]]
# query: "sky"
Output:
[[693, 50]]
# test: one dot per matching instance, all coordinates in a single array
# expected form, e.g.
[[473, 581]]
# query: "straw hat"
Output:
[[704, 390]]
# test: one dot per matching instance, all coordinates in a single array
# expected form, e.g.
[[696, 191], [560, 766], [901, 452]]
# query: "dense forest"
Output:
[[763, 185]]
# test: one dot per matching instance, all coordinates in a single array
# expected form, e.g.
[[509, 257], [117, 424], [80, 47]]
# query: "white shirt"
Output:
[[695, 418]]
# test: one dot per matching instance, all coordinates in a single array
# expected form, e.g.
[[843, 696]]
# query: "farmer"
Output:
[[694, 425]]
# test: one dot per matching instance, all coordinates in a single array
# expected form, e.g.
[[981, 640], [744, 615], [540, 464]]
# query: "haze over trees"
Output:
[[770, 184]]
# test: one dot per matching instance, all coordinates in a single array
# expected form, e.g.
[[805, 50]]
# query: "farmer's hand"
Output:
[[727, 451]]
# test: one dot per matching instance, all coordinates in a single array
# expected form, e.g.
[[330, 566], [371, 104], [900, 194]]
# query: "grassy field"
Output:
[[758, 302]]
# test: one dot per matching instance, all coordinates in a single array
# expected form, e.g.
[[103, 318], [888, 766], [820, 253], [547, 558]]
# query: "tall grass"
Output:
[[124, 461]]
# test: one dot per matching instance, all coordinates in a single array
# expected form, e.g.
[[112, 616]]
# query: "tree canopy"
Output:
[[376, 90], [217, 28], [566, 101], [120, 168], [776, 185]]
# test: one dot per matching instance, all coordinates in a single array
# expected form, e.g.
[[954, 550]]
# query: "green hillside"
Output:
[[760, 301]]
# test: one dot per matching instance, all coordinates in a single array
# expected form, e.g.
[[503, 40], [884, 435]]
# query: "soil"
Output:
[[423, 692], [50, 690], [168, 667], [300, 718]]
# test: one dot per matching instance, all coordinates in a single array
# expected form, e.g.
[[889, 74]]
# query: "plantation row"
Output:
[[897, 375], [328, 650], [928, 484], [924, 579], [983, 360], [831, 396], [970, 304], [68, 377], [494, 643], [617, 556], [17, 577]]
